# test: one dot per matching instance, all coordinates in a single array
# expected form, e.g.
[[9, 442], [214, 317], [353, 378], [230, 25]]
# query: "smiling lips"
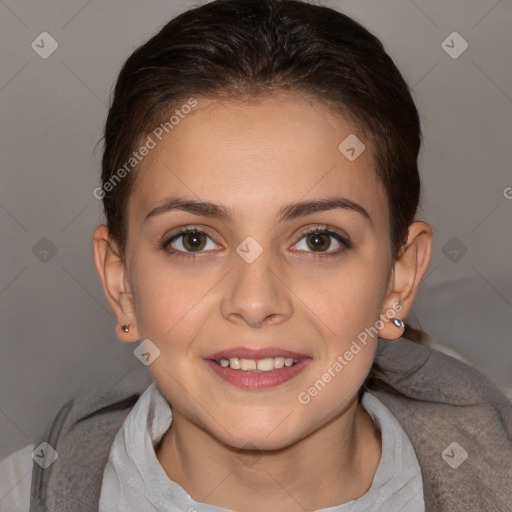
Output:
[[257, 368]]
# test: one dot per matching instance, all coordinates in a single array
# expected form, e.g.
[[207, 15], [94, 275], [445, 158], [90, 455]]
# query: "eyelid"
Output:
[[321, 228], [179, 232], [328, 230], [189, 228]]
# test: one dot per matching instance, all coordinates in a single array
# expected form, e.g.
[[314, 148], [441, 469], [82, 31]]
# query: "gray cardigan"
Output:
[[459, 424]]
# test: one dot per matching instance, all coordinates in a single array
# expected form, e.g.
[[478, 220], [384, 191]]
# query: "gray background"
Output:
[[57, 332]]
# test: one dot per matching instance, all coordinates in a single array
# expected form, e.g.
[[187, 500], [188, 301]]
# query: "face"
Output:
[[253, 278]]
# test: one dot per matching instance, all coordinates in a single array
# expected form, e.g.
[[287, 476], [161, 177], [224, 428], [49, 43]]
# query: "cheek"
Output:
[[346, 302], [171, 304], [345, 308]]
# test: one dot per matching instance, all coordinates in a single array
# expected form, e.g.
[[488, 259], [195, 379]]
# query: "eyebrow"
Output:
[[286, 213]]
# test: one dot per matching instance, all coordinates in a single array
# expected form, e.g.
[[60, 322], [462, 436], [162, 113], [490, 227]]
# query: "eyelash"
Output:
[[320, 230]]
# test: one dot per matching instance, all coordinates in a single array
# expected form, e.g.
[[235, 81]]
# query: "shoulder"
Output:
[[425, 373], [458, 421], [76, 449]]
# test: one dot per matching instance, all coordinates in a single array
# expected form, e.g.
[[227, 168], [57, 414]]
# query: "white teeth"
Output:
[[263, 365], [278, 362], [247, 364]]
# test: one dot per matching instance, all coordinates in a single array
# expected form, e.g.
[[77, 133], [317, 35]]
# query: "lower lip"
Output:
[[250, 379]]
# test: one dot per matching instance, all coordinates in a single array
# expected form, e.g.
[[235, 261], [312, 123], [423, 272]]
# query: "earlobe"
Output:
[[405, 278], [111, 270]]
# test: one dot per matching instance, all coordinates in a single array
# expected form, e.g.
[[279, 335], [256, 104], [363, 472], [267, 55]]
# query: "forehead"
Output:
[[255, 156]]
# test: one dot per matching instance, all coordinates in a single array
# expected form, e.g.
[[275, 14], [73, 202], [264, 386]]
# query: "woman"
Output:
[[260, 186]]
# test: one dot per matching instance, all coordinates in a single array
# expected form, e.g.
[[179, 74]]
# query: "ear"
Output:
[[112, 271], [405, 277]]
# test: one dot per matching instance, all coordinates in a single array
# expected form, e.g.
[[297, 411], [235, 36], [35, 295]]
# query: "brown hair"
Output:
[[241, 49]]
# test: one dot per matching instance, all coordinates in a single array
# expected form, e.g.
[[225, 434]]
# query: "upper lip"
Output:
[[255, 353]]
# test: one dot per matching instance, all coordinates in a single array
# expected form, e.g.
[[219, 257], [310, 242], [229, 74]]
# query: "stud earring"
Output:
[[398, 323], [125, 327]]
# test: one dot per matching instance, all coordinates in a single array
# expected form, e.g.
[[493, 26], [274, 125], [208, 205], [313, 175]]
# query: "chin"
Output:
[[263, 438], [250, 444]]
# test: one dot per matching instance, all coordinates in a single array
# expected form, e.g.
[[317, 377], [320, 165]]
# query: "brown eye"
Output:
[[193, 241], [188, 242], [319, 241]]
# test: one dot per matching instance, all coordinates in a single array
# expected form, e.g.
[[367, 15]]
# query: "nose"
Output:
[[257, 293]]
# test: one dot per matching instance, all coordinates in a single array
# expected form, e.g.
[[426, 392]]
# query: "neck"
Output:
[[330, 466]]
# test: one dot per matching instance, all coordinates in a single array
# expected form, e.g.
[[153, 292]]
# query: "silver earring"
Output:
[[398, 323], [125, 328]]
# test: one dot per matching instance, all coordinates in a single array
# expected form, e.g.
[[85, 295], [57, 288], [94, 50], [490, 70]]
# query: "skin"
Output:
[[254, 158]]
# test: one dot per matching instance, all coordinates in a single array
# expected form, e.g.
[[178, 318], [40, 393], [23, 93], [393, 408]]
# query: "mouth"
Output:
[[257, 369]]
